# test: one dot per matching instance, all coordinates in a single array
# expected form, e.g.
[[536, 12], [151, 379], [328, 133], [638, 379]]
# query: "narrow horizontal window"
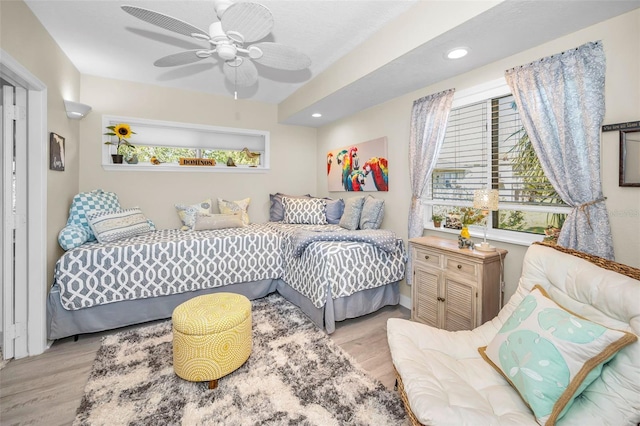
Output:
[[162, 145]]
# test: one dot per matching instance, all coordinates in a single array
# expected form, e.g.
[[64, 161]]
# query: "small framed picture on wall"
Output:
[[56, 152]]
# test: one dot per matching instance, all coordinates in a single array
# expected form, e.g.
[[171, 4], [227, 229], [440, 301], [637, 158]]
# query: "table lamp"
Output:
[[485, 200]]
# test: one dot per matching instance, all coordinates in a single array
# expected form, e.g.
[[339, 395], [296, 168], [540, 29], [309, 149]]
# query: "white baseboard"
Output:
[[405, 301]]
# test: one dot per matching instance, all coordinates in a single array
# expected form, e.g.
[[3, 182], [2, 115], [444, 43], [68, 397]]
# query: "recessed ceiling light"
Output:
[[457, 53], [316, 115]]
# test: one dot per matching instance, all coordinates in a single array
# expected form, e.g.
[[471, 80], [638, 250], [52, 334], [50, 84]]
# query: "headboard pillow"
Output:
[[352, 209], [311, 211], [231, 207], [187, 214], [78, 231], [335, 208], [276, 210], [115, 225], [372, 213], [206, 221]]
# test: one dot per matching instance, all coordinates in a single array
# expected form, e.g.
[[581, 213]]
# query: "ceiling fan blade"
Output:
[[243, 75], [252, 20], [182, 58], [164, 21], [281, 56]]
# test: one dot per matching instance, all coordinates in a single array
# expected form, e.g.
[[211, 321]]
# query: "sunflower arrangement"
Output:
[[122, 131]]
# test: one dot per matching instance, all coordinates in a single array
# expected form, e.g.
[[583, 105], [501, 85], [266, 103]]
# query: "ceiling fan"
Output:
[[239, 24]]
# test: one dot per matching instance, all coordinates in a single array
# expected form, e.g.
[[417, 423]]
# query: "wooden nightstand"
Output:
[[454, 289]]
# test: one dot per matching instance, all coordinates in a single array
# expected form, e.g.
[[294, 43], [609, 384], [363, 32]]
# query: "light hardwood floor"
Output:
[[46, 389]]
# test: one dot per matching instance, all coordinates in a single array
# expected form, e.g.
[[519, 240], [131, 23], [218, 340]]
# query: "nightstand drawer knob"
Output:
[[459, 266], [426, 257]]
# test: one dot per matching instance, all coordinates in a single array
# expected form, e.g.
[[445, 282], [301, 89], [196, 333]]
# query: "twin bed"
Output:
[[330, 273]]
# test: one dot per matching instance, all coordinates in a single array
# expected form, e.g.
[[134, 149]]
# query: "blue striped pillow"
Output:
[[112, 226]]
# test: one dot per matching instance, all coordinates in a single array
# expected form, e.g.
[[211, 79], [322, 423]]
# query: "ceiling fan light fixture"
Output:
[[227, 51], [457, 52]]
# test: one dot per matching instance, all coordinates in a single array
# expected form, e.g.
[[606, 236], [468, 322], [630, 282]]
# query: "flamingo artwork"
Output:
[[349, 164], [378, 167], [329, 161], [356, 181]]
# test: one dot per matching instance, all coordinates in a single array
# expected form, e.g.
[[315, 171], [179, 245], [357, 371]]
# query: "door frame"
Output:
[[12, 71]]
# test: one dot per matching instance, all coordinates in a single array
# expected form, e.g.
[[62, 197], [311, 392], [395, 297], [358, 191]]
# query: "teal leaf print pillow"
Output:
[[550, 355]]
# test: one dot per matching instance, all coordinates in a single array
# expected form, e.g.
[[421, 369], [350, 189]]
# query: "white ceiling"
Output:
[[102, 40]]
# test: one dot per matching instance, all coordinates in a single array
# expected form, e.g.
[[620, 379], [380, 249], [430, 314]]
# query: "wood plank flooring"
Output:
[[47, 389]]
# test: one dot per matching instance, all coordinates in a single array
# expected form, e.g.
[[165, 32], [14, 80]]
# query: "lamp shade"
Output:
[[485, 199]]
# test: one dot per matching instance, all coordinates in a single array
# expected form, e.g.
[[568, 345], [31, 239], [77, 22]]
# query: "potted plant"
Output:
[[122, 131], [437, 220]]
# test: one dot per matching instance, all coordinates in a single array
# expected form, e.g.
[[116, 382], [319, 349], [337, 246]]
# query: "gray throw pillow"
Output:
[[311, 211], [372, 213], [276, 211], [352, 210]]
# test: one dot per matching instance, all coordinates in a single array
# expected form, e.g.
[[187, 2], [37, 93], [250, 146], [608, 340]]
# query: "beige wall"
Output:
[[293, 150], [24, 38], [621, 39]]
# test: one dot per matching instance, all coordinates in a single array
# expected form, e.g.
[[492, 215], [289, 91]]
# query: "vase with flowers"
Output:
[[468, 216], [122, 131]]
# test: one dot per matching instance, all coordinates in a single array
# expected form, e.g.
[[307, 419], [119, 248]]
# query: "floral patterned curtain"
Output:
[[561, 104], [428, 127]]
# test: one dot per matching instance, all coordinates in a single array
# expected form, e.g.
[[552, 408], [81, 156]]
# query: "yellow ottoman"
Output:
[[211, 336]]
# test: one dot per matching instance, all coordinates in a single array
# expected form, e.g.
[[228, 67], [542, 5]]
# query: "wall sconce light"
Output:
[[485, 200], [76, 110]]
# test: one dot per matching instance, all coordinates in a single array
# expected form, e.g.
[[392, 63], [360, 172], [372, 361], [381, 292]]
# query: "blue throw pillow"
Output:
[[335, 208]]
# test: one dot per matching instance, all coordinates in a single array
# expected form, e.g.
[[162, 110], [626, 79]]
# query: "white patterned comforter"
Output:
[[167, 262]]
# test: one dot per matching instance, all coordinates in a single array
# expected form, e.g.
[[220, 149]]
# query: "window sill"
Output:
[[523, 239], [176, 168]]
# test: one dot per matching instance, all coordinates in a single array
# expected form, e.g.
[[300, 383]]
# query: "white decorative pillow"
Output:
[[310, 211], [217, 221], [187, 214], [231, 207], [549, 355], [112, 226]]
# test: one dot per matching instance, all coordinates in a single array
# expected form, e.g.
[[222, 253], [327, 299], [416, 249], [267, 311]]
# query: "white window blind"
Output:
[[486, 146]]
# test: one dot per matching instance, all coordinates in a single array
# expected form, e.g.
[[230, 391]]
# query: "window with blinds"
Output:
[[486, 146]]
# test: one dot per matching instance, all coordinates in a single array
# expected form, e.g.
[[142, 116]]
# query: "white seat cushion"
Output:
[[453, 388]]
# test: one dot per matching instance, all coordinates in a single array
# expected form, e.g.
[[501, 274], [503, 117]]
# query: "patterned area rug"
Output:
[[295, 375]]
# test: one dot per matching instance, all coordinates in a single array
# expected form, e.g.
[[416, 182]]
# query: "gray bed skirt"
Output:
[[63, 323]]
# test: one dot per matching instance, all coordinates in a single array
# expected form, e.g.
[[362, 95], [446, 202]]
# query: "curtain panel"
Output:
[[428, 126], [561, 103]]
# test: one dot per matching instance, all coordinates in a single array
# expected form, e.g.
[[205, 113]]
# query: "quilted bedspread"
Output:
[[167, 262]]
